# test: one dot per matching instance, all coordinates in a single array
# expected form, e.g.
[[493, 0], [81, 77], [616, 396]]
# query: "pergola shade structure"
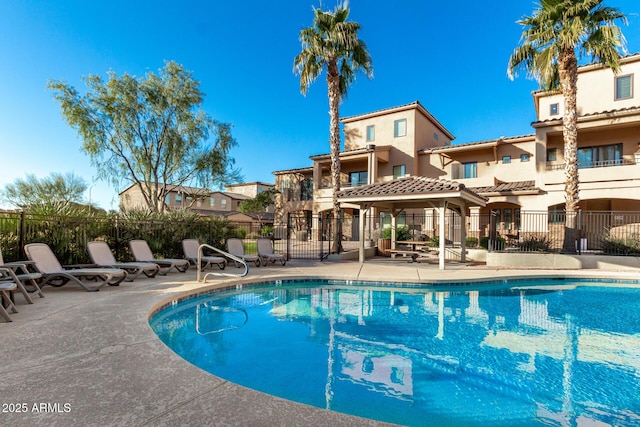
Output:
[[414, 192]]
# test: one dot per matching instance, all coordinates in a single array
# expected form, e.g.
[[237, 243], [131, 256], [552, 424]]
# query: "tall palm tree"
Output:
[[552, 39], [332, 43]]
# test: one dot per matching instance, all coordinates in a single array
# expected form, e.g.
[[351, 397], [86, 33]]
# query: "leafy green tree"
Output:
[[149, 132], [56, 189], [552, 39], [259, 205], [332, 43]]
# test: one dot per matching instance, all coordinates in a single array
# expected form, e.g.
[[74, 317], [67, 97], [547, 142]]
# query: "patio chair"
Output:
[[19, 274], [101, 255], [5, 288], [191, 247], [266, 253], [142, 253], [54, 274], [235, 247]]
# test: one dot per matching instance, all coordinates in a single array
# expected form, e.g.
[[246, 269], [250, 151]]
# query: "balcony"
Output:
[[590, 165], [625, 169]]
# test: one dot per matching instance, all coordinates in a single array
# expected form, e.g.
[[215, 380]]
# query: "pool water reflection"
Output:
[[545, 353]]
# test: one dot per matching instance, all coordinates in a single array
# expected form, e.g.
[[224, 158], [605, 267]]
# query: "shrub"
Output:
[[614, 246], [535, 244], [402, 233], [471, 242], [266, 231]]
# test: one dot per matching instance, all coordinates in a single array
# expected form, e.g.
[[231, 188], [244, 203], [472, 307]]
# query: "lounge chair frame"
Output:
[[21, 275], [5, 288], [191, 248], [142, 253], [266, 253], [54, 274], [101, 255], [236, 248]]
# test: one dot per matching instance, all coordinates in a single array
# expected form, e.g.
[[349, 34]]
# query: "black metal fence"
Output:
[[309, 236], [597, 232], [68, 236]]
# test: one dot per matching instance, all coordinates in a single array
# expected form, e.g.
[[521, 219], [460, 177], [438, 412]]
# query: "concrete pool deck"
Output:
[[78, 358]]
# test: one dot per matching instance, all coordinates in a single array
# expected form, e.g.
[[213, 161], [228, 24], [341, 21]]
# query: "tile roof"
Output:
[[296, 170], [504, 139], [411, 185], [359, 150], [507, 187]]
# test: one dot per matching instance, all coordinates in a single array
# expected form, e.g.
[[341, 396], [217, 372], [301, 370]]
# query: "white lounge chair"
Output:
[[235, 247], [191, 247], [266, 253], [101, 255], [142, 253], [19, 273], [55, 275], [5, 288]]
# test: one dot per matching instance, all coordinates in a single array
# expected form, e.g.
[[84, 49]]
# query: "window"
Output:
[[436, 136], [470, 170], [178, 199], [306, 189], [385, 219], [358, 178], [624, 87], [506, 159], [525, 157], [189, 200], [551, 154], [399, 171], [371, 133], [167, 199], [400, 128], [604, 155], [553, 109], [285, 184], [212, 201]]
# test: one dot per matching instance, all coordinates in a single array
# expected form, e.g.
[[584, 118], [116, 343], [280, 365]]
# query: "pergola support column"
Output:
[[364, 210], [441, 232]]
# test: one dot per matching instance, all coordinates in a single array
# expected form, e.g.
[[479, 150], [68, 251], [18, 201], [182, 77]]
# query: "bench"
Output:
[[413, 254]]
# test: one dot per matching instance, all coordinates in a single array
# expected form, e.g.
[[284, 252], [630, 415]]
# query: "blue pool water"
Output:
[[539, 352]]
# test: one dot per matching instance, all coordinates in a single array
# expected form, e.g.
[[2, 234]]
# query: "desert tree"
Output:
[[149, 132]]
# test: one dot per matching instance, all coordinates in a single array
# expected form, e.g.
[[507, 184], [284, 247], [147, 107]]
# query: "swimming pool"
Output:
[[528, 352]]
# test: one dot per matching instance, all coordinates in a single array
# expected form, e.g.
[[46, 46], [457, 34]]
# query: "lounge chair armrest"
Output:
[[16, 266], [7, 273]]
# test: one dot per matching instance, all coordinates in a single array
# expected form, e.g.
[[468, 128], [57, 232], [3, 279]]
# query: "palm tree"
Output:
[[332, 43], [551, 40]]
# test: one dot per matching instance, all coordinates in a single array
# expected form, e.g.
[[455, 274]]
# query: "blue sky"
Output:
[[451, 56]]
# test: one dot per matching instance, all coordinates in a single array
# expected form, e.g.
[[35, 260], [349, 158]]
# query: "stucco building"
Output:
[[516, 173], [203, 201]]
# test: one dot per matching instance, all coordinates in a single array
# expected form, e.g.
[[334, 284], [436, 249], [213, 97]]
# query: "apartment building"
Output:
[[516, 173], [203, 201]]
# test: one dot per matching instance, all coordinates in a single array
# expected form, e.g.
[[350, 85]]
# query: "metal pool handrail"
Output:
[[199, 330], [228, 255]]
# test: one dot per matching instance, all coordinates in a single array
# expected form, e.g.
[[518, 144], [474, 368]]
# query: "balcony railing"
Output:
[[589, 165], [347, 184]]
